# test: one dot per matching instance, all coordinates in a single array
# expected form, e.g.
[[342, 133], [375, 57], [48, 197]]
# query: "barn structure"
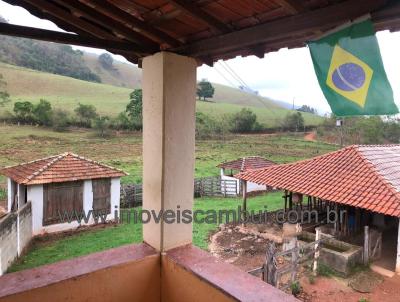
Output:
[[169, 39], [360, 183], [63, 184], [229, 168]]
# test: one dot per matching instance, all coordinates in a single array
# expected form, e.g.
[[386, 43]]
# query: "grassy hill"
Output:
[[129, 75], [65, 92]]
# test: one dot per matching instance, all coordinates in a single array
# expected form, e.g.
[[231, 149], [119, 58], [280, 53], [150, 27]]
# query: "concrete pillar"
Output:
[[169, 101], [398, 250]]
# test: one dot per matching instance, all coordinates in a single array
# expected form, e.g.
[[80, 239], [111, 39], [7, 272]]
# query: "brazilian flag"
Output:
[[350, 72]]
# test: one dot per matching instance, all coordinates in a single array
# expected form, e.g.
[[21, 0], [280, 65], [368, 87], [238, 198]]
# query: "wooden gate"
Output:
[[102, 195], [281, 267], [59, 198]]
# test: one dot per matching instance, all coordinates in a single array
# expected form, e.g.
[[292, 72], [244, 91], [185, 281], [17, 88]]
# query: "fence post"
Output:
[[295, 259], [366, 245], [316, 247], [244, 192]]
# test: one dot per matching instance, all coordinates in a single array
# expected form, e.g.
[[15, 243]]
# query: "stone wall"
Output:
[[15, 234], [8, 241]]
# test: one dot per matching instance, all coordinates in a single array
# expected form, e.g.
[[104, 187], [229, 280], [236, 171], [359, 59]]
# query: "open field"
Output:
[[24, 143], [45, 250], [64, 92]]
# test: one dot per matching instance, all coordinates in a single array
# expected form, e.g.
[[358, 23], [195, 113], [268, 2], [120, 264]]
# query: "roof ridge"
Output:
[[96, 162], [303, 160], [375, 169], [30, 162], [45, 167]]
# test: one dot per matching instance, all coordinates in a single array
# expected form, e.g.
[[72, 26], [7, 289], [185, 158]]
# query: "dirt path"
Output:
[[333, 289], [310, 136]]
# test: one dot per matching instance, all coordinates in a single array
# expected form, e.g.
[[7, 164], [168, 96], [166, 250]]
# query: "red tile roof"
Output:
[[362, 176], [59, 168], [247, 163]]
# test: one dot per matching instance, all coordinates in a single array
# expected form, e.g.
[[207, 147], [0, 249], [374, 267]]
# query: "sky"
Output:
[[285, 75]]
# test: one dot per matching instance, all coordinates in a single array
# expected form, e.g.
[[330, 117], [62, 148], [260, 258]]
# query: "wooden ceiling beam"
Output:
[[281, 28], [60, 13], [291, 6], [65, 38], [118, 28], [198, 13], [117, 14], [86, 39]]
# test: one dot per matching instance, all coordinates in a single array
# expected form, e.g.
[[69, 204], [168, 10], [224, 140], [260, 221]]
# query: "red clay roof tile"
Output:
[[366, 176], [247, 163], [59, 168]]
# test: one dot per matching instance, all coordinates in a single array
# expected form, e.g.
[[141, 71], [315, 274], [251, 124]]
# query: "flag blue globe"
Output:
[[348, 77]]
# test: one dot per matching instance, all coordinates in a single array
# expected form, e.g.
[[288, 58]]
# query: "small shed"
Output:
[[229, 168], [360, 183], [63, 184]]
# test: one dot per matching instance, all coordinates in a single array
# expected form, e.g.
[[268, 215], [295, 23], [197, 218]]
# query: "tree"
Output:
[[205, 89], [4, 95], [85, 113], [135, 109], [60, 120], [293, 121], [102, 124], [42, 113], [306, 108], [244, 121], [23, 111], [106, 60]]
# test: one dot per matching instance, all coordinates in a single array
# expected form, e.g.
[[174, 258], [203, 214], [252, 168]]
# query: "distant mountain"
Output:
[[64, 60], [44, 56]]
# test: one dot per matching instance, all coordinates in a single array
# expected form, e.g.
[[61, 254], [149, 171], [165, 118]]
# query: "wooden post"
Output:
[[316, 247], [244, 193], [224, 182], [295, 259], [366, 245], [291, 201], [398, 250]]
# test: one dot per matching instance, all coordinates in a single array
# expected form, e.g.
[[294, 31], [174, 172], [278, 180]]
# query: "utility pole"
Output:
[[339, 123]]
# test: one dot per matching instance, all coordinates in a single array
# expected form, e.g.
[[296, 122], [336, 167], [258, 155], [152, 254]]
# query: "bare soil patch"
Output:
[[246, 248]]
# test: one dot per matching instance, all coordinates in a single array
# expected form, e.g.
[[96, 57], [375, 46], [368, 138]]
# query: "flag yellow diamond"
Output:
[[349, 76]]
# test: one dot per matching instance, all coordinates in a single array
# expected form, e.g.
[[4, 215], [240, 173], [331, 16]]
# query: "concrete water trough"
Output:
[[338, 255]]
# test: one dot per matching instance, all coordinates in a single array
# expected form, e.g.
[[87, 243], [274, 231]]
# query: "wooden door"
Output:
[[102, 195], [59, 198]]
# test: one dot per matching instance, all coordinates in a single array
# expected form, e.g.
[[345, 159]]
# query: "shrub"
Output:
[[42, 113], [244, 121], [102, 126], [293, 122], [23, 112], [86, 114], [295, 288], [60, 120]]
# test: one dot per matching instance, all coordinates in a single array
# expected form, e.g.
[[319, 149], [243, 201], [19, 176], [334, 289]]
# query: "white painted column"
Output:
[[115, 198], [10, 194], [35, 196], [88, 198], [398, 250], [169, 101]]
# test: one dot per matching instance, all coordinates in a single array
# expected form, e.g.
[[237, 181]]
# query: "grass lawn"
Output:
[[45, 251], [124, 151]]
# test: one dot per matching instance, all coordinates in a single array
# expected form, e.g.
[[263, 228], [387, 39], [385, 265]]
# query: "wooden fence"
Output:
[[279, 264], [132, 194], [214, 186]]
